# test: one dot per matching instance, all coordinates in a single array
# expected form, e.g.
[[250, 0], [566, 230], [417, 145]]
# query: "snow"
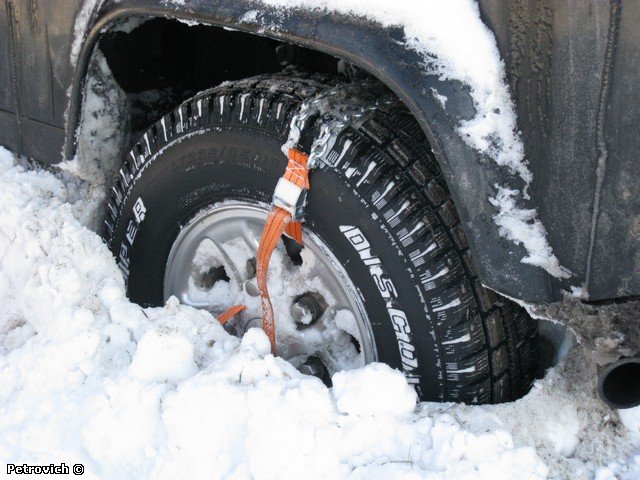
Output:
[[102, 128], [631, 419], [90, 378], [163, 357], [377, 390], [129, 24], [80, 27], [442, 99], [523, 227]]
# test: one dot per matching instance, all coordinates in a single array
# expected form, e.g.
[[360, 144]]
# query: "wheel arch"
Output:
[[471, 178]]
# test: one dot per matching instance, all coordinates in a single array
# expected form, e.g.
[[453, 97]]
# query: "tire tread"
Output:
[[487, 344]]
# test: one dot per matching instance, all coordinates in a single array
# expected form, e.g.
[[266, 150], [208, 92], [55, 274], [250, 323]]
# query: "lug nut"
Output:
[[251, 288], [307, 308], [251, 267], [253, 323]]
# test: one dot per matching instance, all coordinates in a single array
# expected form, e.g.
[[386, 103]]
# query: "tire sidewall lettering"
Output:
[[389, 294], [139, 211]]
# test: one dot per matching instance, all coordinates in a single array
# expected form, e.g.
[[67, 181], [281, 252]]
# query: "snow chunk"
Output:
[[163, 356], [255, 338], [442, 99], [564, 436], [376, 389], [6, 159]]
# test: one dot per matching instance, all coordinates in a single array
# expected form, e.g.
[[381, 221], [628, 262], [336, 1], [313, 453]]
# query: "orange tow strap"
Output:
[[229, 313], [278, 222]]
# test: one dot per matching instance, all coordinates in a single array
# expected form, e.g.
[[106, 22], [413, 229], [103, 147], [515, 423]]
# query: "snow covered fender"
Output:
[[389, 55]]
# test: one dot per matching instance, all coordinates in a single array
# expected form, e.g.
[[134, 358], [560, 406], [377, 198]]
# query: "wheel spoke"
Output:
[[249, 237], [186, 299], [238, 271]]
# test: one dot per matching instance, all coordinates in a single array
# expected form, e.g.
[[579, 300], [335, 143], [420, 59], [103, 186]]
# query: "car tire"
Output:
[[383, 209]]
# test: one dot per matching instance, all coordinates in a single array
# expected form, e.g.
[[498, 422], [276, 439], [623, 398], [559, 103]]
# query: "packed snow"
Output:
[[513, 222], [90, 378], [102, 128]]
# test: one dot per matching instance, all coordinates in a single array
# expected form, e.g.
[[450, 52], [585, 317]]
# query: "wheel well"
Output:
[[159, 62]]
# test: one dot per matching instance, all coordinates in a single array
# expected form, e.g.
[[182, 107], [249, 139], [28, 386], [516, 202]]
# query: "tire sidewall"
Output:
[[214, 165]]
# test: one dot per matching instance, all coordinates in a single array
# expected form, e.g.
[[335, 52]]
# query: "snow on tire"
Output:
[[383, 210]]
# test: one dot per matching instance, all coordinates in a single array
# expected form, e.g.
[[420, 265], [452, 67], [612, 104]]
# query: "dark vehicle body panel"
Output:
[[572, 67], [35, 75], [574, 70]]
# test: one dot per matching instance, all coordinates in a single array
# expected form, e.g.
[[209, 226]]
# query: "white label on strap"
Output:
[[287, 196]]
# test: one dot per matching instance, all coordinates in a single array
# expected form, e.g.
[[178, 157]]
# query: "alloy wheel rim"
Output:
[[318, 310]]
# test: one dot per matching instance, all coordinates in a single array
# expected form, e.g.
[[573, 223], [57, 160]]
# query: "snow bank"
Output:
[[163, 393], [89, 377]]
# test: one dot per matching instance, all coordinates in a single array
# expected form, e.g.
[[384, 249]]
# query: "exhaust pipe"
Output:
[[619, 383]]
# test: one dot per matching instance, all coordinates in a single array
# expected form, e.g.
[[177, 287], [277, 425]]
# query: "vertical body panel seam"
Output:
[[601, 144]]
